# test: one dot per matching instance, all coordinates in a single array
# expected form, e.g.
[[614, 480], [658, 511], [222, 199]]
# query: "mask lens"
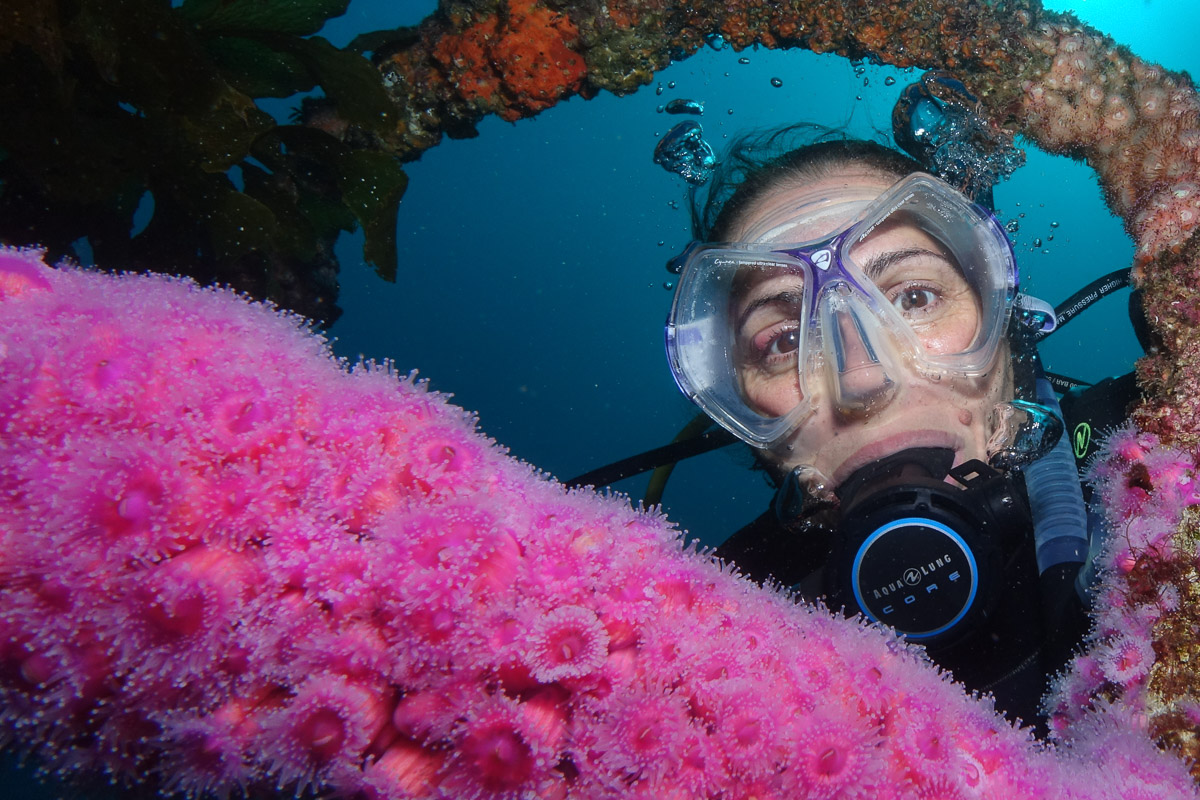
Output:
[[944, 268], [919, 269], [768, 314], [734, 336]]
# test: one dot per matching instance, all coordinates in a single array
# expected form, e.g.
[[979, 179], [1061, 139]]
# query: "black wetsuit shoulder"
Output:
[[1092, 411]]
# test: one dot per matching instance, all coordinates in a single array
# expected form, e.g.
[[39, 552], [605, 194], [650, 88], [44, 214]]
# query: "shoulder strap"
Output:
[[1093, 410]]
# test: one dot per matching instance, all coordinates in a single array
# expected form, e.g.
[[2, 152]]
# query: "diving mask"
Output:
[[841, 299]]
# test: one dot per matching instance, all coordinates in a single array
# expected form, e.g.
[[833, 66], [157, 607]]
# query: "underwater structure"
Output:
[[1045, 75], [230, 563]]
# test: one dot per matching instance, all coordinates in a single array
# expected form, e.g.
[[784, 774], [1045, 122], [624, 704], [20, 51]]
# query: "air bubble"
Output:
[[743, 60], [777, 82], [684, 152], [889, 81], [685, 106], [940, 122]]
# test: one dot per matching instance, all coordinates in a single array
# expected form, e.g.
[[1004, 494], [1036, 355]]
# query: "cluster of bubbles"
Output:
[[940, 123], [937, 121], [1013, 227], [684, 151]]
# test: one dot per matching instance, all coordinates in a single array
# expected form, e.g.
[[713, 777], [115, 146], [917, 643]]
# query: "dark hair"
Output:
[[761, 161]]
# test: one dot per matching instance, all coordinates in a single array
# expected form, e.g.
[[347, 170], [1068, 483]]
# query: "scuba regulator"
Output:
[[911, 550]]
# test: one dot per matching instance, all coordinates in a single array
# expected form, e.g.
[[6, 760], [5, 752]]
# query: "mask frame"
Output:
[[700, 336]]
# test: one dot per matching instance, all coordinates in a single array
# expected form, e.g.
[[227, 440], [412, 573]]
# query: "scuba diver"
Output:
[[858, 323], [852, 319]]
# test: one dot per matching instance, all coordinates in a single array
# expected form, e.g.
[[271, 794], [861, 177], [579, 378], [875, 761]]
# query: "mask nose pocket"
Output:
[[858, 362]]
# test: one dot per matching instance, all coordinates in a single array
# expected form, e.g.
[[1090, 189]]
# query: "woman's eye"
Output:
[[784, 343], [915, 298], [774, 344]]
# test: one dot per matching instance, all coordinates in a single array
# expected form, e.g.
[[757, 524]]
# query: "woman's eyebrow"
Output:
[[785, 296], [877, 264]]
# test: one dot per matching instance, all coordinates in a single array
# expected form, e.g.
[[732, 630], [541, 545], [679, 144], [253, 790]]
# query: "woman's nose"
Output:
[[861, 384]]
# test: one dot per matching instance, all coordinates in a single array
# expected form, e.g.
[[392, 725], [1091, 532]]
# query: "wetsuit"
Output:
[[1036, 622], [1092, 411]]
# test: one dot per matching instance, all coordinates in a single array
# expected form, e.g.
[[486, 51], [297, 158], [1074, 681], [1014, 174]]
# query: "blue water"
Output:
[[532, 257], [531, 271]]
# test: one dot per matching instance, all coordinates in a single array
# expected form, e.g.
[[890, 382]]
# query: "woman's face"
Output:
[[876, 403]]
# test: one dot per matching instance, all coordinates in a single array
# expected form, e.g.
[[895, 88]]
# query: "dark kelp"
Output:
[[108, 100]]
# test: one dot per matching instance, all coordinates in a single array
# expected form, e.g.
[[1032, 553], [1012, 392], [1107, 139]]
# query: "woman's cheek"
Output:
[[781, 401], [952, 335]]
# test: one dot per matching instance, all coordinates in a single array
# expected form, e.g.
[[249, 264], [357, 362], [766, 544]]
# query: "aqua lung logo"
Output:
[[914, 576], [821, 259]]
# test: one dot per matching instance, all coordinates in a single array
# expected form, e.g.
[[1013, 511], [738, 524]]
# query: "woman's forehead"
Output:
[[804, 212]]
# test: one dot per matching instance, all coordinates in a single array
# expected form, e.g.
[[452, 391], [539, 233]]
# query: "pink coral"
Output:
[[500, 750], [21, 272], [746, 729], [323, 728], [1126, 659], [568, 642], [832, 757], [639, 731], [404, 770], [1148, 486], [209, 754], [230, 564]]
